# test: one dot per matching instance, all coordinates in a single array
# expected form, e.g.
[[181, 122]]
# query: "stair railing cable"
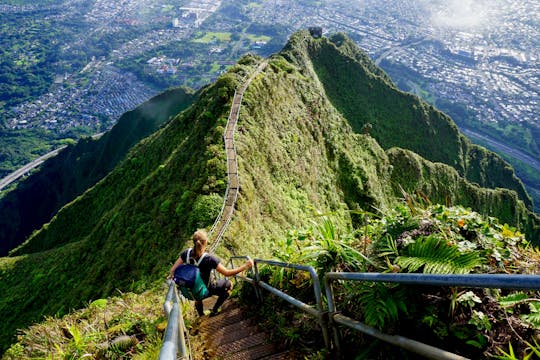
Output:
[[174, 341], [330, 319], [231, 193]]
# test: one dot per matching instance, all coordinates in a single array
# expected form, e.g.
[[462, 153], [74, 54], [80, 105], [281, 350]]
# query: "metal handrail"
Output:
[[497, 281], [218, 218], [318, 312], [174, 341], [238, 276]]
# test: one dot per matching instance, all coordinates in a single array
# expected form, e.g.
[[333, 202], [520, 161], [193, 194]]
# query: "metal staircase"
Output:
[[231, 335], [233, 180]]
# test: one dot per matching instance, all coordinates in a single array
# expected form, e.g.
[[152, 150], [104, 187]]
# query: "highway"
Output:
[[40, 160], [26, 168], [515, 153]]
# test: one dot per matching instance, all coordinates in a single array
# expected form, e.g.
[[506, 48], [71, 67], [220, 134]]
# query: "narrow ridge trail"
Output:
[[231, 335], [233, 183]]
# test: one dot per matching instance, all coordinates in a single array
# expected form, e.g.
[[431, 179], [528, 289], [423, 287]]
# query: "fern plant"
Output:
[[382, 303], [434, 255]]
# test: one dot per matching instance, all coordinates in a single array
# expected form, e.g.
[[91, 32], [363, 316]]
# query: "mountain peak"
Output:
[[321, 129]]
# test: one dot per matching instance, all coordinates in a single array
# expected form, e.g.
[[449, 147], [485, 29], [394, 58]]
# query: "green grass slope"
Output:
[[442, 184], [123, 232], [77, 168], [298, 155], [368, 99]]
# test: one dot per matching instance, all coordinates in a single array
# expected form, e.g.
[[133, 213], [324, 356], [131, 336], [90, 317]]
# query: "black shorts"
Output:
[[220, 287]]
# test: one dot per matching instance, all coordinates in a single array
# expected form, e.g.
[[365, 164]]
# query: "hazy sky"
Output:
[[463, 14]]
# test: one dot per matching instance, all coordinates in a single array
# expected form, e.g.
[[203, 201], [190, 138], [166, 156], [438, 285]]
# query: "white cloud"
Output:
[[463, 14]]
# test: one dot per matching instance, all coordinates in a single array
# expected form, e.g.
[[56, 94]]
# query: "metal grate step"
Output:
[[256, 352], [240, 345]]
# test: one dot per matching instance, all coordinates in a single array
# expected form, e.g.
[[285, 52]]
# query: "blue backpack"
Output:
[[188, 278]]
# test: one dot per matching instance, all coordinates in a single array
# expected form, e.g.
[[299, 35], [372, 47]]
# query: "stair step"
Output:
[[226, 337], [225, 318], [240, 345], [255, 352], [285, 355]]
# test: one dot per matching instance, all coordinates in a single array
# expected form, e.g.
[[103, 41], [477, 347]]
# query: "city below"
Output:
[[477, 60]]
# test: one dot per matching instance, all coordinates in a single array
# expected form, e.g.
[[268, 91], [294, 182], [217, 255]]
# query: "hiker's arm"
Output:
[[176, 264], [231, 272]]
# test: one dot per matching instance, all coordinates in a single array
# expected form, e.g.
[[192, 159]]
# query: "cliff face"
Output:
[[365, 95], [301, 150]]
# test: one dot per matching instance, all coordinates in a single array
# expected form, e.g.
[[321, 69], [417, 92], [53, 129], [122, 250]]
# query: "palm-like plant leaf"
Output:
[[436, 256]]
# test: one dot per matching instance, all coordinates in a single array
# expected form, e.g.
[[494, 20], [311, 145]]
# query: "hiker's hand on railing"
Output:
[[249, 264]]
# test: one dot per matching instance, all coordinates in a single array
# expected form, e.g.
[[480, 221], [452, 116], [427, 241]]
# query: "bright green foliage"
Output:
[[381, 304], [76, 169], [434, 255], [364, 94], [533, 319], [442, 184], [429, 239], [297, 151], [126, 326]]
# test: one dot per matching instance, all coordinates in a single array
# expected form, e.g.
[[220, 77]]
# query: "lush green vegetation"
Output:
[[122, 233], [367, 98], [523, 136], [296, 151], [17, 147], [412, 237], [442, 184], [120, 327], [77, 168]]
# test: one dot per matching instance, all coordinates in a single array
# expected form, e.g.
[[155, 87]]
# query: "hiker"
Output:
[[222, 288]]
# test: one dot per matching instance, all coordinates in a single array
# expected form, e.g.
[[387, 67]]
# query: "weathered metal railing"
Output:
[[496, 281], [317, 311], [174, 340]]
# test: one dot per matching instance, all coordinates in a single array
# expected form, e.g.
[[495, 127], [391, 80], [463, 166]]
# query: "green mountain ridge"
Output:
[[62, 178], [300, 150]]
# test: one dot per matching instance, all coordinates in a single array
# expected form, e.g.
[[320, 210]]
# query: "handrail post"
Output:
[[318, 312], [331, 312], [257, 282], [318, 300]]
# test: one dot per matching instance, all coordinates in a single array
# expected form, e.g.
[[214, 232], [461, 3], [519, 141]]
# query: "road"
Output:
[[40, 160], [504, 148], [26, 168]]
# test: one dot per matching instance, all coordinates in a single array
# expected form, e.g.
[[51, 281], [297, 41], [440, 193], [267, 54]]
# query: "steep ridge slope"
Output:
[[297, 155], [119, 234], [442, 184], [365, 95], [77, 168]]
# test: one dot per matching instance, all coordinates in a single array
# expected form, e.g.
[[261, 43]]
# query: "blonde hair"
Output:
[[200, 240]]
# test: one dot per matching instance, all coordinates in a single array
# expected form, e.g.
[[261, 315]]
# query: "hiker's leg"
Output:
[[222, 288], [199, 307]]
